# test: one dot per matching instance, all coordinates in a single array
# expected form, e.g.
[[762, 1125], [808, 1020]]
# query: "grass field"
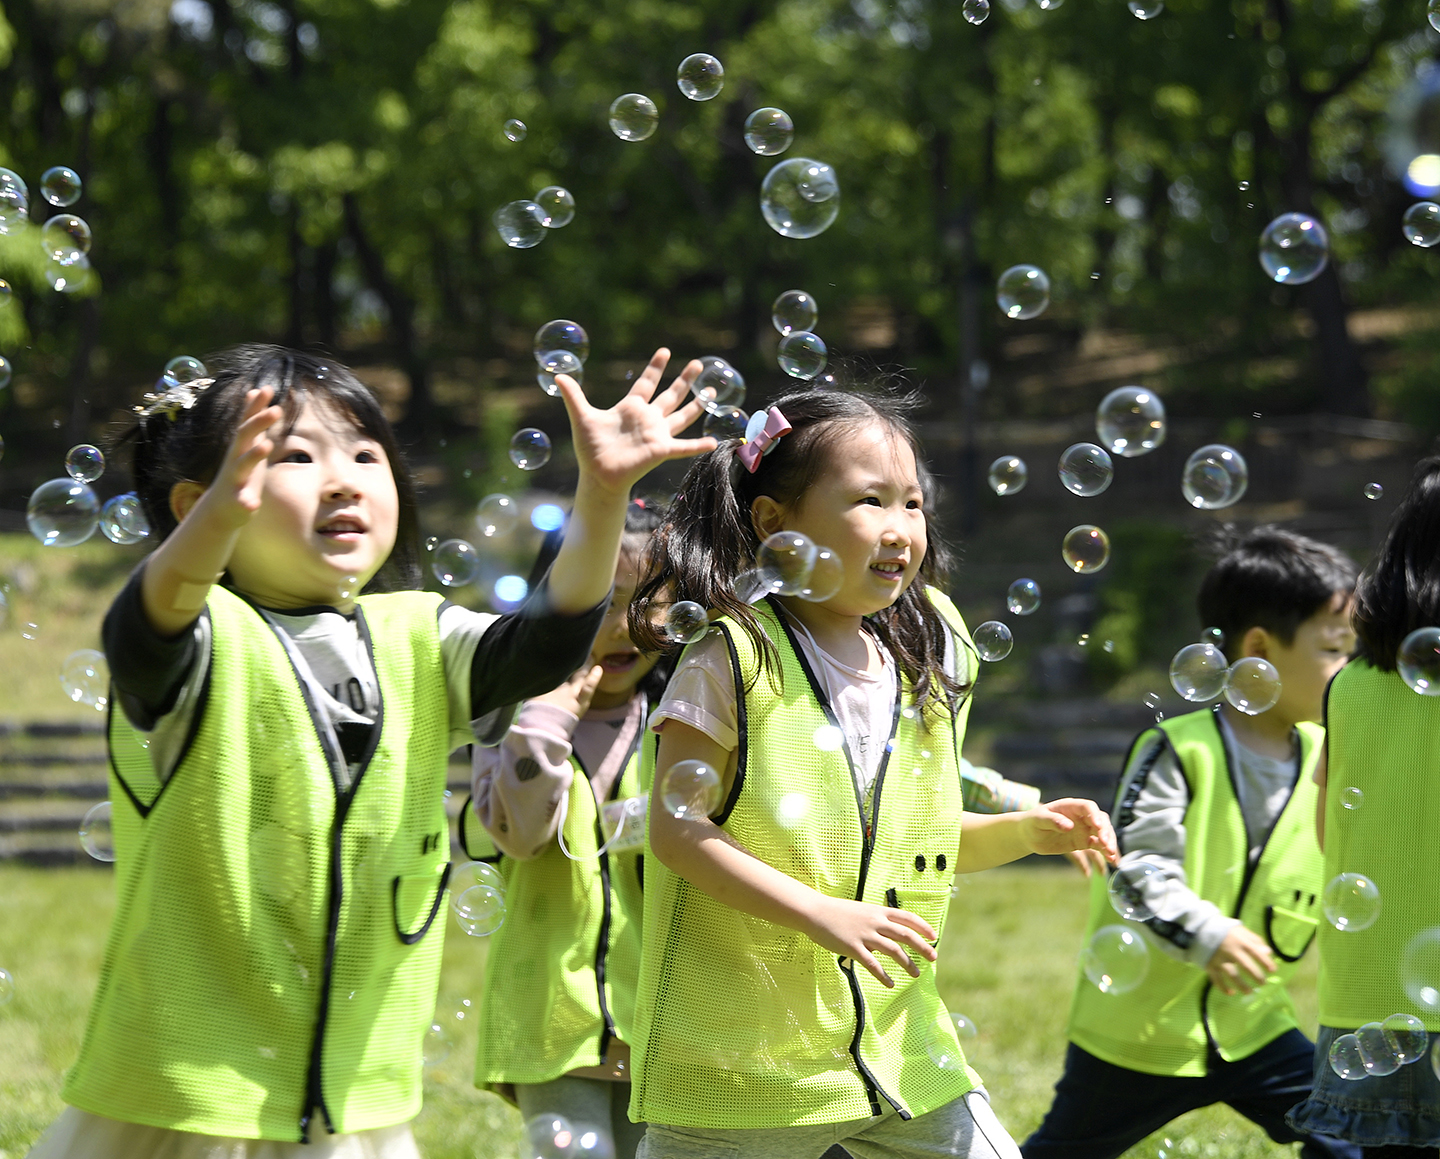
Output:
[[1008, 961]]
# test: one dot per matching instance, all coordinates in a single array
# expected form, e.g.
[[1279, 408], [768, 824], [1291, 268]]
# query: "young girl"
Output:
[[1381, 808], [558, 1007], [769, 1023], [279, 764]]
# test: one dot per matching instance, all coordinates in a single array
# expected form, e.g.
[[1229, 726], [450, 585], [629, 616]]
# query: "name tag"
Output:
[[623, 823]]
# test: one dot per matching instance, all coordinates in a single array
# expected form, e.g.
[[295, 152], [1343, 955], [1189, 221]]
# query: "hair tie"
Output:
[[761, 435]]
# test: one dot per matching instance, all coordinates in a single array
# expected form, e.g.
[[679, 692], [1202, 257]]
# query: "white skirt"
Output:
[[78, 1134]]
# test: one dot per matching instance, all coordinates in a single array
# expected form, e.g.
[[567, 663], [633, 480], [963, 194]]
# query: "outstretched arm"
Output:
[[1058, 827]]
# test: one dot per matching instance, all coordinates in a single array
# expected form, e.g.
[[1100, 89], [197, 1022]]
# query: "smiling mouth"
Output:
[[888, 570], [341, 527], [619, 661]]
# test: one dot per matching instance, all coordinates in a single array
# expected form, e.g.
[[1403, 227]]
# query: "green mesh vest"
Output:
[[274, 956], [560, 974], [1168, 1024], [1383, 741], [746, 1023]]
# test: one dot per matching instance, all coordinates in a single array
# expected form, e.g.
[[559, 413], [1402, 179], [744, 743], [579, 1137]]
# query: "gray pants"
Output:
[[589, 1105], [965, 1128]]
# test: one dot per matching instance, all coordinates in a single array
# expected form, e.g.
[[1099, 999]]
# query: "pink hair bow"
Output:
[[762, 436]]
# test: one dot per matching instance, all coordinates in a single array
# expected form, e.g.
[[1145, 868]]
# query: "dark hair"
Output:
[[1273, 579], [1401, 591], [709, 538], [191, 443]]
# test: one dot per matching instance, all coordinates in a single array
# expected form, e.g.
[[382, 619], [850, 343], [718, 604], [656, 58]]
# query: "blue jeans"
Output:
[[1398, 1109], [1101, 1110]]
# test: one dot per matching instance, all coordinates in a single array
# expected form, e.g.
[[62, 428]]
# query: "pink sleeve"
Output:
[[519, 784], [701, 694]]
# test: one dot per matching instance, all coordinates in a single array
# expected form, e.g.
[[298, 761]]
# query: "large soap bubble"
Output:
[[520, 224], [1085, 469], [633, 117], [975, 11], [700, 76], [561, 334], [62, 512], [1294, 249], [768, 132], [1252, 685], [530, 449], [1420, 969], [495, 515], [1023, 597], [455, 563], [685, 622], [558, 362], [1130, 421], [557, 206], [1421, 224], [1116, 960], [122, 519], [1215, 476], [95, 833], [690, 790], [1138, 890], [65, 238], [1085, 548], [85, 462], [718, 385], [1007, 475], [85, 677], [800, 197], [802, 354], [1351, 902], [1418, 660], [1023, 291], [1198, 672], [786, 560], [794, 310], [60, 186], [993, 640], [479, 910]]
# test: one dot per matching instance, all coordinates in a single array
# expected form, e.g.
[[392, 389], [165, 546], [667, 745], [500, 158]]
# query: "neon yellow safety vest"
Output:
[[560, 974], [745, 1023], [1170, 1023], [1384, 742], [274, 954]]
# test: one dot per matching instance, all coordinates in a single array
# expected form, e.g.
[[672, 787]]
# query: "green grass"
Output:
[[1008, 961]]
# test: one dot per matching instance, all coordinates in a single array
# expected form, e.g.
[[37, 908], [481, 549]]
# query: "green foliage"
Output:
[[1147, 602]]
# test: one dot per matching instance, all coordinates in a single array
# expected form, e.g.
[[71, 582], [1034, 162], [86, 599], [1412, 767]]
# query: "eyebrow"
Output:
[[880, 485]]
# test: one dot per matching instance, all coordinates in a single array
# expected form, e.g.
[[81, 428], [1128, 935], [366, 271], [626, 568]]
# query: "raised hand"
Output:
[[235, 494], [575, 694], [1070, 824]]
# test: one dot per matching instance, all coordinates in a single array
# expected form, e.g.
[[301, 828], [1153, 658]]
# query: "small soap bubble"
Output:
[[1418, 661], [633, 117], [95, 835], [802, 354], [1406, 1037], [1373, 490], [1023, 292], [829, 738], [1252, 685], [530, 449], [85, 462], [455, 563], [768, 132], [437, 1045], [592, 1143], [62, 512], [1138, 890], [794, 310], [557, 206], [69, 278], [1085, 548], [1130, 421], [700, 77], [85, 677], [431, 541], [800, 198], [1432, 14], [561, 334], [1421, 224], [550, 1137], [1108, 646], [1023, 597], [65, 238], [6, 293], [520, 224], [1420, 969], [751, 587], [1198, 672], [496, 515], [975, 11], [792, 810], [509, 592], [547, 517], [686, 622], [475, 873], [1352, 798], [1117, 959], [1048, 6], [1083, 640], [515, 130], [1213, 636], [1215, 476], [1345, 1058], [1146, 9], [14, 201], [941, 1046], [1152, 700], [1351, 902], [1376, 1054], [993, 640], [182, 370], [690, 790], [786, 561], [480, 910], [718, 385], [7, 987], [825, 577], [559, 362], [725, 424], [60, 186], [1294, 249], [1008, 475], [1085, 469]]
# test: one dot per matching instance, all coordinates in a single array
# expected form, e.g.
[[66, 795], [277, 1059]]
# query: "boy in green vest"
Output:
[[1222, 804]]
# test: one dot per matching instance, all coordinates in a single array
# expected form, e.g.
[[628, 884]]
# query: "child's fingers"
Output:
[[687, 414], [688, 448], [913, 922], [872, 963], [894, 950], [675, 393], [590, 680], [572, 396], [649, 378]]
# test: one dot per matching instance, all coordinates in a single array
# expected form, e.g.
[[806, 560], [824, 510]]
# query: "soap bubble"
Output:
[[1376, 1054], [725, 424], [829, 738], [1008, 475], [769, 132], [520, 224], [1352, 798], [122, 519], [1130, 421], [965, 1028], [475, 873], [480, 910], [6, 293], [1406, 1037], [690, 790], [751, 587], [7, 987], [700, 77], [1294, 249], [558, 362], [1433, 14], [802, 354], [14, 201], [515, 130], [791, 201], [1418, 660], [1373, 490], [1138, 890], [786, 560], [1345, 1058], [1252, 685], [794, 310], [85, 463], [825, 577], [547, 517], [1023, 598], [686, 622], [1213, 636], [456, 563], [1146, 9], [510, 591], [1198, 672], [1215, 476], [60, 186], [95, 835], [62, 512], [496, 515], [1085, 548], [65, 238], [1351, 902], [942, 1048], [561, 334], [1085, 469], [1023, 292], [1420, 969], [530, 449], [69, 278], [550, 1137], [633, 117], [993, 640], [86, 678], [975, 11], [182, 370], [718, 385], [436, 1046], [557, 206], [1421, 224], [1116, 960]]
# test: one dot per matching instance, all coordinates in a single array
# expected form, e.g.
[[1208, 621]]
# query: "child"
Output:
[[1222, 804], [767, 1021], [279, 765], [558, 1007], [1381, 809]]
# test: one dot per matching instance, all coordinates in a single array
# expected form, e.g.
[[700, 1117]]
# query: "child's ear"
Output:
[[183, 496], [1256, 642], [766, 516]]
